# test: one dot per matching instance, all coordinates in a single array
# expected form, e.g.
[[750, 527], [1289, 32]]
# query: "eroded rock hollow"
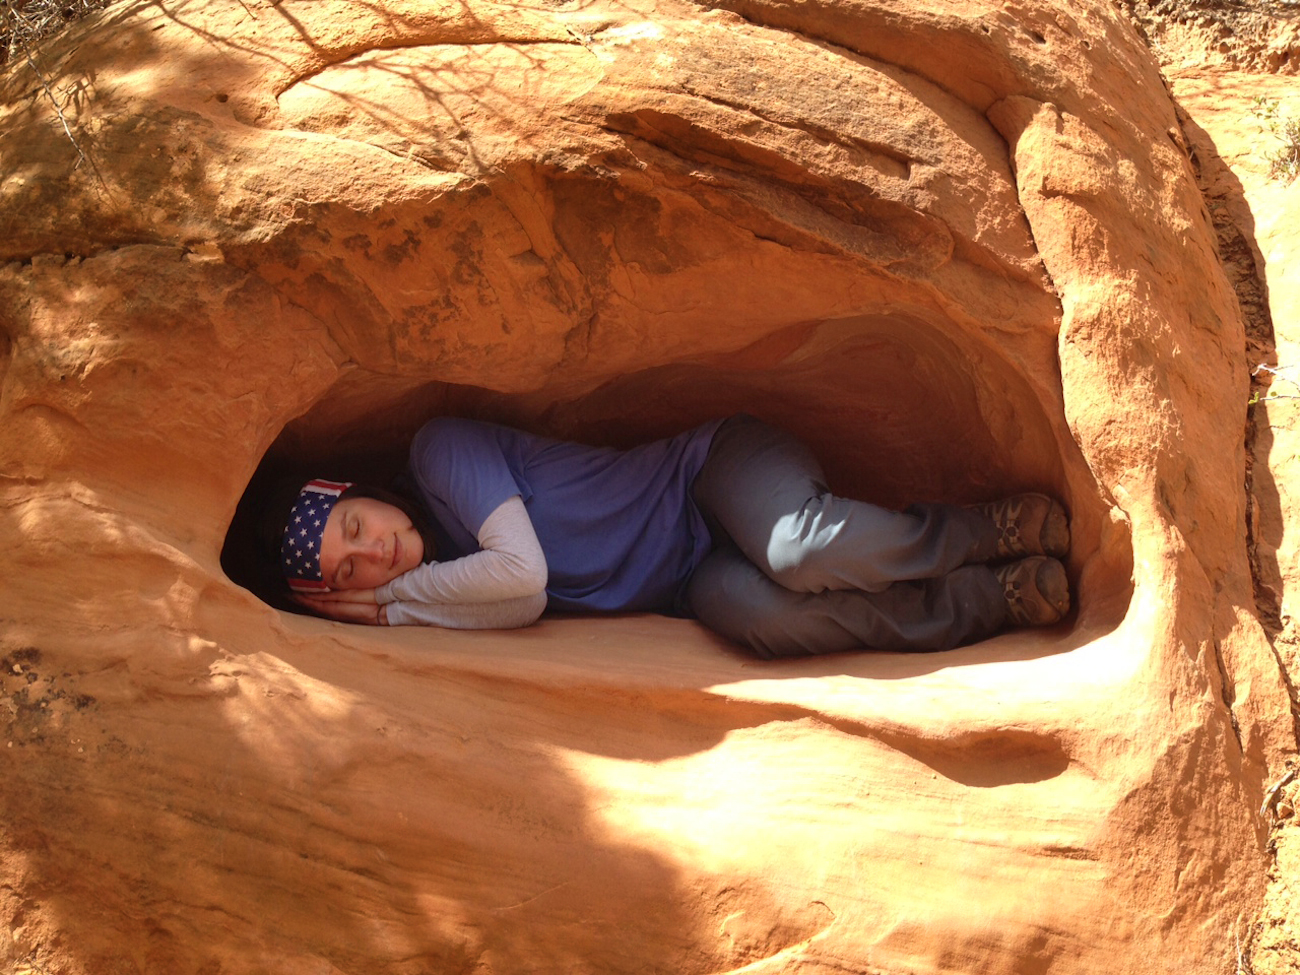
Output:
[[956, 246]]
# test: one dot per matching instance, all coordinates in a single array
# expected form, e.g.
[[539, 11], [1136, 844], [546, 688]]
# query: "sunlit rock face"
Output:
[[956, 246]]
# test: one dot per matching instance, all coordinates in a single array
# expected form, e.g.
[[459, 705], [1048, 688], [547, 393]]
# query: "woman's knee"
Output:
[[795, 557], [732, 597], [795, 570]]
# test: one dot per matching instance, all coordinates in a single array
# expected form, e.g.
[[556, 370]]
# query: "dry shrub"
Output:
[[23, 23]]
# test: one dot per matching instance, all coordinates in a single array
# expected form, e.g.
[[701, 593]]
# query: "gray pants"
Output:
[[797, 570]]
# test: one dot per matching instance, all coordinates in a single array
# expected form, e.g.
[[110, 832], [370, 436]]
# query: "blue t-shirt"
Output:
[[618, 527]]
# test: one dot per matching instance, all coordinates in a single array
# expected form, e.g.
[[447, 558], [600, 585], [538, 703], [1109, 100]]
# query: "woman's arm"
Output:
[[510, 566], [360, 606], [504, 614]]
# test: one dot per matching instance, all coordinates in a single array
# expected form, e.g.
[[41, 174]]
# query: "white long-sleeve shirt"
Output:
[[502, 586]]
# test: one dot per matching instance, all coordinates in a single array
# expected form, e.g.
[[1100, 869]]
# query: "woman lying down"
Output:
[[730, 523]]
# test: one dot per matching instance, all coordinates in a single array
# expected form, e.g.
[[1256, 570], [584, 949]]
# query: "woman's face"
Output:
[[367, 543]]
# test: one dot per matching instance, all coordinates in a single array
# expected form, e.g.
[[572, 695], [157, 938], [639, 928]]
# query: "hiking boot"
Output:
[[1028, 524], [1036, 590]]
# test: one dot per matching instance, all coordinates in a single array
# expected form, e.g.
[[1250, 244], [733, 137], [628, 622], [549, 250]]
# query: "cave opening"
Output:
[[897, 409]]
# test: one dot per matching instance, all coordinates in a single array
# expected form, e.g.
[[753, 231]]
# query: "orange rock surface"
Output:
[[1233, 146], [959, 247]]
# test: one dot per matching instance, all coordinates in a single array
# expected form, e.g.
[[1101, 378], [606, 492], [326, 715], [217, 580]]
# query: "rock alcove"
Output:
[[957, 247], [898, 409]]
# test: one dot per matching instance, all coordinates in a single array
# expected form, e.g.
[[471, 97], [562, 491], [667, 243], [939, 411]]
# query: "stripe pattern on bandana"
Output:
[[300, 547]]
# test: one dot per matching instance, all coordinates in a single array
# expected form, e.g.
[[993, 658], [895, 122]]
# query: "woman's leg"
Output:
[[732, 596], [767, 493]]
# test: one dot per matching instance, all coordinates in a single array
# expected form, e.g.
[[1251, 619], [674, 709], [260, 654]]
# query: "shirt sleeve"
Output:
[[462, 469], [504, 614], [510, 565]]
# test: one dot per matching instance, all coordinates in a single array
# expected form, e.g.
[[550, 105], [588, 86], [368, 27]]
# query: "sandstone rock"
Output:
[[1234, 149], [957, 247]]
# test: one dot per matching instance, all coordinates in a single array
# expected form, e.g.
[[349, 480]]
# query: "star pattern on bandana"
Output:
[[300, 548]]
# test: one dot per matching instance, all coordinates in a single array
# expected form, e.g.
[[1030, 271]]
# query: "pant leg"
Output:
[[733, 597], [767, 493]]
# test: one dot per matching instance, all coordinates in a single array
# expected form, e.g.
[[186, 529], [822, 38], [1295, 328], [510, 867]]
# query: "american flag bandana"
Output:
[[300, 549]]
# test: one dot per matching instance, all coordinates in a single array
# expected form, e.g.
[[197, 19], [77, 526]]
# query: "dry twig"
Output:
[[58, 109], [1273, 793], [24, 24]]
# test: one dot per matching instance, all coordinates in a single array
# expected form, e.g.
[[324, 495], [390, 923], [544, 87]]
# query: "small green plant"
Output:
[[1284, 163]]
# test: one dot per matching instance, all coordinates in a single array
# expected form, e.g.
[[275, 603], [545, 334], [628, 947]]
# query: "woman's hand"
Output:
[[345, 605]]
